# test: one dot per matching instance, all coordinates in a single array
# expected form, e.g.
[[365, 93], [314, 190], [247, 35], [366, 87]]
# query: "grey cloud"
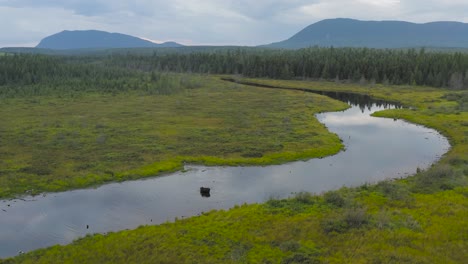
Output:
[[79, 7], [241, 22], [94, 7], [264, 9], [255, 9], [431, 10]]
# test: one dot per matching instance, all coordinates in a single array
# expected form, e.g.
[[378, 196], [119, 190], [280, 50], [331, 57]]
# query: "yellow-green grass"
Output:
[[372, 229], [52, 144], [421, 219]]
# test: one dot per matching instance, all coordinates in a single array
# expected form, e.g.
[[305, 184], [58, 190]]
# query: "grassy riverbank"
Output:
[[365, 225], [441, 109], [421, 219], [80, 139]]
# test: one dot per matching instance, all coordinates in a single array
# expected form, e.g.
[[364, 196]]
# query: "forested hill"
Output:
[[378, 34], [89, 39]]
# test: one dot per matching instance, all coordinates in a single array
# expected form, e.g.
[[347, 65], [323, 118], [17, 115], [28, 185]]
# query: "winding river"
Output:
[[376, 149]]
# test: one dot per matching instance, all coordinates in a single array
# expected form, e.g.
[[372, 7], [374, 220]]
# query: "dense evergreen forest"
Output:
[[27, 75], [351, 64], [118, 71]]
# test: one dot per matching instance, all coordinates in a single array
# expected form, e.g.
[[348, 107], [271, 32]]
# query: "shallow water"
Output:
[[376, 149]]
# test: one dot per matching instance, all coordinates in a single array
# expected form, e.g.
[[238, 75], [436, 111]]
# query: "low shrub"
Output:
[[304, 197], [431, 180], [350, 218], [394, 190], [290, 245], [334, 198], [356, 217]]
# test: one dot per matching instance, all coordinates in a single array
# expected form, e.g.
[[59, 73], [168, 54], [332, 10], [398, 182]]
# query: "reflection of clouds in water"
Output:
[[355, 117], [35, 220], [69, 235], [341, 120]]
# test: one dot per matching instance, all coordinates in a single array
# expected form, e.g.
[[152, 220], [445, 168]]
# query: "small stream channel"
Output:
[[376, 149]]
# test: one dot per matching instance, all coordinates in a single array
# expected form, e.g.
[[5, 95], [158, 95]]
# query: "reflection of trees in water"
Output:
[[361, 100]]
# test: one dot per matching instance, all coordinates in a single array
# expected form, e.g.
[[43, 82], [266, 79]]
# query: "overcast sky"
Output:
[[212, 22]]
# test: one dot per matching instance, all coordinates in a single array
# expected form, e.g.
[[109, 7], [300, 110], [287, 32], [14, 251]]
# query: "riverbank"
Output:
[[440, 109], [421, 219], [55, 143]]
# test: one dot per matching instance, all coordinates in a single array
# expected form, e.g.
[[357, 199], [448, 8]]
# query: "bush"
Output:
[[239, 251], [411, 223], [290, 245], [383, 220], [434, 178], [334, 225], [304, 197], [394, 190], [334, 198], [348, 219], [275, 203], [456, 160], [356, 217]]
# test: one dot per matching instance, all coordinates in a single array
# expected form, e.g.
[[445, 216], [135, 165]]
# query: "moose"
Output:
[[205, 191]]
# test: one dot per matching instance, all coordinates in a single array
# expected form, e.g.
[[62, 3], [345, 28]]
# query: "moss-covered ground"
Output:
[[421, 219]]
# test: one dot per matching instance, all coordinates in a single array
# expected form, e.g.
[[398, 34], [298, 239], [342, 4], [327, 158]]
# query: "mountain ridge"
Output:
[[346, 32], [89, 39]]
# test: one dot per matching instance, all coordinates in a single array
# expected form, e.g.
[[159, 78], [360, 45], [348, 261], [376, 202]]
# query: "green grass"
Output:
[[372, 228], [52, 143], [421, 219]]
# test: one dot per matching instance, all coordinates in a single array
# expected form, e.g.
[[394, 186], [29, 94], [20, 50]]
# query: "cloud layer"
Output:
[[215, 22]]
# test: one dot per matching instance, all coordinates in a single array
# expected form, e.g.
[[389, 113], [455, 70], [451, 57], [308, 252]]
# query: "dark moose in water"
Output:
[[375, 149]]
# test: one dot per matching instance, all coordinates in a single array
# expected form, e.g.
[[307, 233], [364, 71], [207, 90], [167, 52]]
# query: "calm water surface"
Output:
[[376, 149]]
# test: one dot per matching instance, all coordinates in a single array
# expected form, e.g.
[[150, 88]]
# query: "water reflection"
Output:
[[361, 101], [376, 149]]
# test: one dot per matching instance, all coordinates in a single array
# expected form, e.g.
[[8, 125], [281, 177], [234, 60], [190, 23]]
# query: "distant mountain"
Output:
[[343, 32], [92, 39]]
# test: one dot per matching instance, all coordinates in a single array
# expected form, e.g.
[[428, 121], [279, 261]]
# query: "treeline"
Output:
[[32, 69], [28, 75], [414, 67], [122, 72]]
